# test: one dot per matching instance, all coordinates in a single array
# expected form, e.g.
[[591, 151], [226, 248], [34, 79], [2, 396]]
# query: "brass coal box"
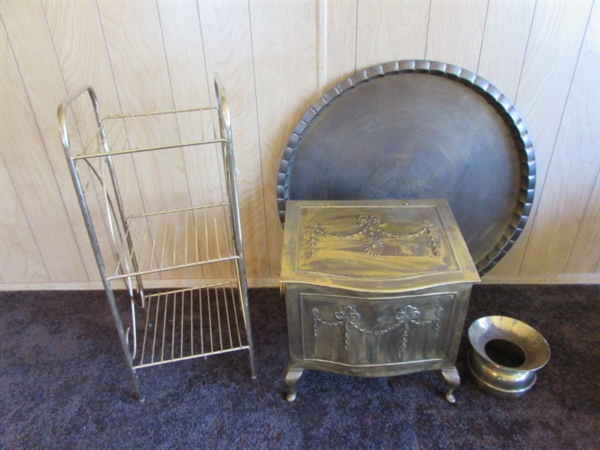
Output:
[[374, 288]]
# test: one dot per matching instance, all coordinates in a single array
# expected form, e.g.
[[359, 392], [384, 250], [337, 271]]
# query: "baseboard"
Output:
[[592, 278], [274, 283], [149, 284]]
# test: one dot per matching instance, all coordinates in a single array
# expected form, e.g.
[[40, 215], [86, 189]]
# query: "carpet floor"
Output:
[[64, 385]]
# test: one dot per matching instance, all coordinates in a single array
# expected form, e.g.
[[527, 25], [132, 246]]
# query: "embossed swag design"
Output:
[[371, 230], [347, 317]]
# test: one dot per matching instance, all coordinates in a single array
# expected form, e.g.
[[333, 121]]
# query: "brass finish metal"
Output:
[[511, 370], [170, 325], [374, 288], [418, 129]]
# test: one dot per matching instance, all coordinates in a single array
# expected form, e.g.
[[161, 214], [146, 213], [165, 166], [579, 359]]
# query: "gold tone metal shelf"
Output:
[[169, 325], [206, 132], [191, 323], [175, 239]]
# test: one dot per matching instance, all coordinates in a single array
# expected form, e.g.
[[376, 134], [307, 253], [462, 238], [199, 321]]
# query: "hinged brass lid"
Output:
[[374, 245]]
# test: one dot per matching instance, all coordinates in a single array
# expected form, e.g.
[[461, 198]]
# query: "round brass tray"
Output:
[[418, 129]]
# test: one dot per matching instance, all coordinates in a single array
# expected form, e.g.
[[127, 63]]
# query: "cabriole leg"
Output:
[[452, 378], [291, 380]]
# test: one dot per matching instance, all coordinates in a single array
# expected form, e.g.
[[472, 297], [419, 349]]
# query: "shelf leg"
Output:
[[246, 307], [136, 386], [124, 345], [245, 303]]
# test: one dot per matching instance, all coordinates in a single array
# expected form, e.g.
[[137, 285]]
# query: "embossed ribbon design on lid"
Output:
[[372, 231]]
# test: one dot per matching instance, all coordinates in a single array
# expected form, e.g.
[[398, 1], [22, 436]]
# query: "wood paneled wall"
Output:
[[276, 58]]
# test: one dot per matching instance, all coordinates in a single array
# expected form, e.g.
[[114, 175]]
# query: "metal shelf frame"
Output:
[[173, 324]]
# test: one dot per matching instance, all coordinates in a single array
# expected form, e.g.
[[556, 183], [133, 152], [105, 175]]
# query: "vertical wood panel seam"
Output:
[[485, 22], [557, 134], [209, 89], [207, 79], [43, 143], [260, 144], [515, 100], [427, 31], [62, 75], [10, 179], [356, 36], [588, 204], [208, 84], [173, 103], [531, 219], [518, 90], [322, 47], [591, 194], [110, 62], [37, 246], [112, 72]]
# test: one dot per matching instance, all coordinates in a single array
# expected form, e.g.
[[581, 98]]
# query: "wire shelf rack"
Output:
[[190, 323], [175, 240], [185, 229]]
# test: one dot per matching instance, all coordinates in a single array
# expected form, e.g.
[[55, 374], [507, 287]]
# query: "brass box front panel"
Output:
[[377, 331]]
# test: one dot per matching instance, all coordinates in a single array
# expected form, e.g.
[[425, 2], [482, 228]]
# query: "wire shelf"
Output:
[[191, 323], [205, 132], [175, 239]]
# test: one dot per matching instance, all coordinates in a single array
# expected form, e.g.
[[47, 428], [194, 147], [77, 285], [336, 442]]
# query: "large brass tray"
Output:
[[418, 129]]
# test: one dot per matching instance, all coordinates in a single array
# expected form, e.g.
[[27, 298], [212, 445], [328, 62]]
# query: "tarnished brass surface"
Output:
[[418, 129], [374, 288], [509, 370], [379, 245]]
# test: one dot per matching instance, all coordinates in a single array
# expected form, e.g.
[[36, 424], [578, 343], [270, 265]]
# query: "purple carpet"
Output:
[[64, 385]]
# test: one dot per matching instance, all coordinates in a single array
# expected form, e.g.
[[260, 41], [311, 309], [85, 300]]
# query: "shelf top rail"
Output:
[[157, 113], [148, 149], [100, 120]]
